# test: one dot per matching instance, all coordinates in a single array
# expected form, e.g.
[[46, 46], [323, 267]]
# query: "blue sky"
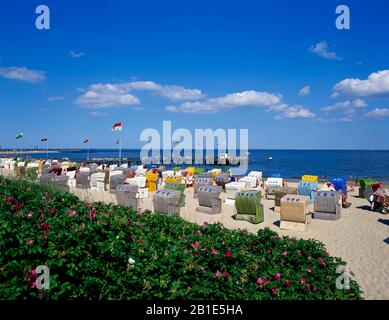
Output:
[[200, 64]]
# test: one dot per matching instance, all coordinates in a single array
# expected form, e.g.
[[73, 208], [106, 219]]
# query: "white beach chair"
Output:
[[232, 189]]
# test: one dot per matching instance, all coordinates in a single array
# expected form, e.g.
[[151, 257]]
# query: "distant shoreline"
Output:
[[10, 152]]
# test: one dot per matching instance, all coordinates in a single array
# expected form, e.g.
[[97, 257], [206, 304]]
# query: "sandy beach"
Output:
[[360, 237]]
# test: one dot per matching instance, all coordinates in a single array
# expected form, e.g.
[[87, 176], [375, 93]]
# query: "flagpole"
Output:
[[21, 151], [120, 149], [88, 151], [47, 149]]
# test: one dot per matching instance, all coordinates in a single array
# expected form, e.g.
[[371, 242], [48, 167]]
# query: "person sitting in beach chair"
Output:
[[379, 198], [56, 171]]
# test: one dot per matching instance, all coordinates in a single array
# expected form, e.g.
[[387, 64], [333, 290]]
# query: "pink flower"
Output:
[[213, 252], [30, 214], [45, 226], [205, 224], [202, 269], [52, 210], [229, 254], [94, 216], [287, 283], [195, 244], [309, 270], [10, 199], [285, 253], [204, 249], [198, 232], [71, 213], [314, 289], [303, 281], [277, 276], [218, 274], [31, 273], [322, 262], [268, 251], [225, 274], [274, 291], [260, 282], [30, 242]]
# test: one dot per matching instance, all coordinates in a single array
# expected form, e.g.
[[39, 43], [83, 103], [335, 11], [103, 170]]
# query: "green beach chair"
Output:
[[199, 170], [177, 187], [249, 207], [363, 184], [31, 174]]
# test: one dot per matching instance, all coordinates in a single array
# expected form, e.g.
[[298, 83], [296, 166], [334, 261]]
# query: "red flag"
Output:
[[117, 126]]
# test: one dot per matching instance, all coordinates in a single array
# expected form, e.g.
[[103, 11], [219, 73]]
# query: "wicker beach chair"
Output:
[[281, 192], [201, 180], [83, 179], [115, 181], [363, 184], [253, 179], [272, 184], [233, 187], [209, 199], [307, 189], [249, 207], [167, 201], [151, 181], [127, 195], [328, 205], [177, 187], [294, 212], [97, 176], [60, 182], [222, 179]]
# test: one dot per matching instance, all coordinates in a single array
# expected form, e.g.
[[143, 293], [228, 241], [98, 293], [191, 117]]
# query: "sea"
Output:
[[290, 164]]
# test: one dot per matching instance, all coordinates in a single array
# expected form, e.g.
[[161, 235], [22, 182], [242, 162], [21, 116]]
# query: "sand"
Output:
[[360, 237]]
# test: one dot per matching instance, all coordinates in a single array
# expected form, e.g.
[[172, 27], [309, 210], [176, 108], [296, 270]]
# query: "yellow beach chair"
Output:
[[309, 178], [151, 181], [173, 179]]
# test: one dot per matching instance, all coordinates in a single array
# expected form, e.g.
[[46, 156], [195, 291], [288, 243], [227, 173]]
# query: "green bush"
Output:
[[100, 252]]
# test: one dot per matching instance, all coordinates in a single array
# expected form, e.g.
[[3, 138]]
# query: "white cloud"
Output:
[[55, 98], [22, 74], [378, 113], [321, 49], [359, 103], [172, 109], [377, 84], [106, 95], [304, 91], [97, 114], [230, 101], [75, 54], [342, 119], [172, 92], [338, 106], [295, 112], [119, 94], [348, 107], [268, 101]]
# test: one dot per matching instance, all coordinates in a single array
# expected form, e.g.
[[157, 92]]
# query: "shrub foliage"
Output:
[[101, 252]]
